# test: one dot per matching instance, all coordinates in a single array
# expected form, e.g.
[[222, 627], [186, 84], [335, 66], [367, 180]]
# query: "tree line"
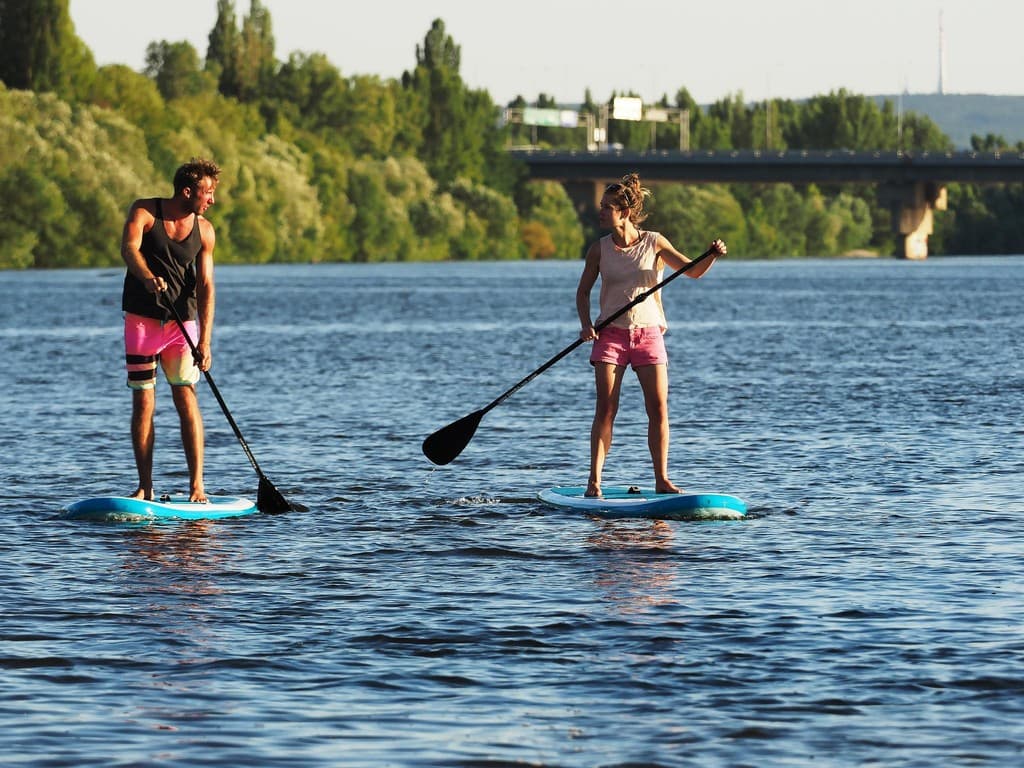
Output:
[[321, 166]]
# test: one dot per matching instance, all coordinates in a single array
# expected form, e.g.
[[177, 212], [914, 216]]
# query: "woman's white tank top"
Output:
[[625, 274]]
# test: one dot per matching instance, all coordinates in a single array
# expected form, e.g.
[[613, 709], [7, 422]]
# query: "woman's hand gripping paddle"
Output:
[[269, 500], [448, 442]]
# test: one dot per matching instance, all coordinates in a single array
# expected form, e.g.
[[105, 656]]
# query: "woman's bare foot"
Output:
[[142, 494], [198, 496], [593, 490], [667, 487]]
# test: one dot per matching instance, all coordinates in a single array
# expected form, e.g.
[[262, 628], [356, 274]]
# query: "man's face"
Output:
[[201, 195]]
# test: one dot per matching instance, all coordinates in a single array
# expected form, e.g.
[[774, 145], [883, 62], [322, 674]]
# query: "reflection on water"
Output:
[[173, 570], [186, 553], [172, 573], [627, 534], [637, 571]]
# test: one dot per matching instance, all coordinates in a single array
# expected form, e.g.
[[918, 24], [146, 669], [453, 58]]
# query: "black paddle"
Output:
[[268, 499], [448, 442]]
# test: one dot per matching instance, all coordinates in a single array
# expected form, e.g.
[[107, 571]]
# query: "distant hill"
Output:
[[962, 115]]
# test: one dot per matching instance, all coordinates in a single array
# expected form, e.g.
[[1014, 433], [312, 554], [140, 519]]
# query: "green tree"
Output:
[[28, 197], [371, 116], [834, 226], [549, 226], [223, 52], [120, 88], [457, 123], [39, 49], [987, 219], [492, 224], [853, 216], [994, 143], [708, 131], [329, 175], [359, 114], [841, 120], [781, 220], [249, 232], [733, 113], [692, 216], [381, 227], [313, 93], [77, 167], [174, 67], [920, 133], [257, 64]]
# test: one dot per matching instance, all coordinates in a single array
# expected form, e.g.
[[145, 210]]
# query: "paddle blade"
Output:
[[269, 500], [448, 442]]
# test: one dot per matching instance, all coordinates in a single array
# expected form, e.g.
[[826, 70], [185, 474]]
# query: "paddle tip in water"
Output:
[[269, 500], [444, 445]]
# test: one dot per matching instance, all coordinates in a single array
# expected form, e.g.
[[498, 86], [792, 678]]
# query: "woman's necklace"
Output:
[[623, 243]]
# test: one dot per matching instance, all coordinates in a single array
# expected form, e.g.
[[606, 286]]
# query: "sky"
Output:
[[786, 49]]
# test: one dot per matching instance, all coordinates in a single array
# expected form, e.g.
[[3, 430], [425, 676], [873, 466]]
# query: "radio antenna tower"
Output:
[[942, 57]]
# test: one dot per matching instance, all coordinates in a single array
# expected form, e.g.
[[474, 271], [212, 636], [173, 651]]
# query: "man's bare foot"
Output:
[[667, 487], [593, 490], [198, 496], [142, 494]]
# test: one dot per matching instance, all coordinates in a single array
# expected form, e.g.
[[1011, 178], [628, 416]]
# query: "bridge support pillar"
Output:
[[912, 207], [585, 197]]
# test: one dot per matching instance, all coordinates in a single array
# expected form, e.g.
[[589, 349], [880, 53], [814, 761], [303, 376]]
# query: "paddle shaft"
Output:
[[603, 324], [216, 394]]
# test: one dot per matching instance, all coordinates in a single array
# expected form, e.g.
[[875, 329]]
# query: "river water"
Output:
[[868, 612]]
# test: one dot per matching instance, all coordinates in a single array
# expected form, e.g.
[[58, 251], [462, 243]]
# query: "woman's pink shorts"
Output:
[[147, 340], [630, 346]]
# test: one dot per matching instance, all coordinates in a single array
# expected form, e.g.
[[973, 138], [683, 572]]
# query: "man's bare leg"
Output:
[[143, 438], [192, 439]]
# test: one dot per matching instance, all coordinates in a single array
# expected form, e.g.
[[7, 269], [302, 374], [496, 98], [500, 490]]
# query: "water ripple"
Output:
[[864, 613]]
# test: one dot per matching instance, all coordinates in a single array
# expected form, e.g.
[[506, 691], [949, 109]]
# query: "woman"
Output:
[[630, 260]]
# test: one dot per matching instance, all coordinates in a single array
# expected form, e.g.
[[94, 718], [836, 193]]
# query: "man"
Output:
[[167, 247]]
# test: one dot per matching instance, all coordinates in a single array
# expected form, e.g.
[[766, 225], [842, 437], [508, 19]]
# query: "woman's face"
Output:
[[609, 215]]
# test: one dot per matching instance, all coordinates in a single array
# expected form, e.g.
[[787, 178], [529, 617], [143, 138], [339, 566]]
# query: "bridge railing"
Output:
[[794, 165]]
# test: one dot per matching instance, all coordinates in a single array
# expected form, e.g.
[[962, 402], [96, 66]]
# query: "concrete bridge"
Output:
[[911, 184]]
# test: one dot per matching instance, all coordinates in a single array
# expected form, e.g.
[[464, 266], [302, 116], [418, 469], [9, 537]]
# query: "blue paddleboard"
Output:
[[116, 508], [633, 501]]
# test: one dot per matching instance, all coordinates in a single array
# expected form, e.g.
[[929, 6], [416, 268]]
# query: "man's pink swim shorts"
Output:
[[147, 340]]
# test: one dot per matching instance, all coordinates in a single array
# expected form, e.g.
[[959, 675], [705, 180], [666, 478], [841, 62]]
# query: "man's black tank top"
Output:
[[175, 262]]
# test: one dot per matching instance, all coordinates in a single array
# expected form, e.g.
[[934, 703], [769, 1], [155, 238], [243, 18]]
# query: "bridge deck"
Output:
[[793, 166]]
